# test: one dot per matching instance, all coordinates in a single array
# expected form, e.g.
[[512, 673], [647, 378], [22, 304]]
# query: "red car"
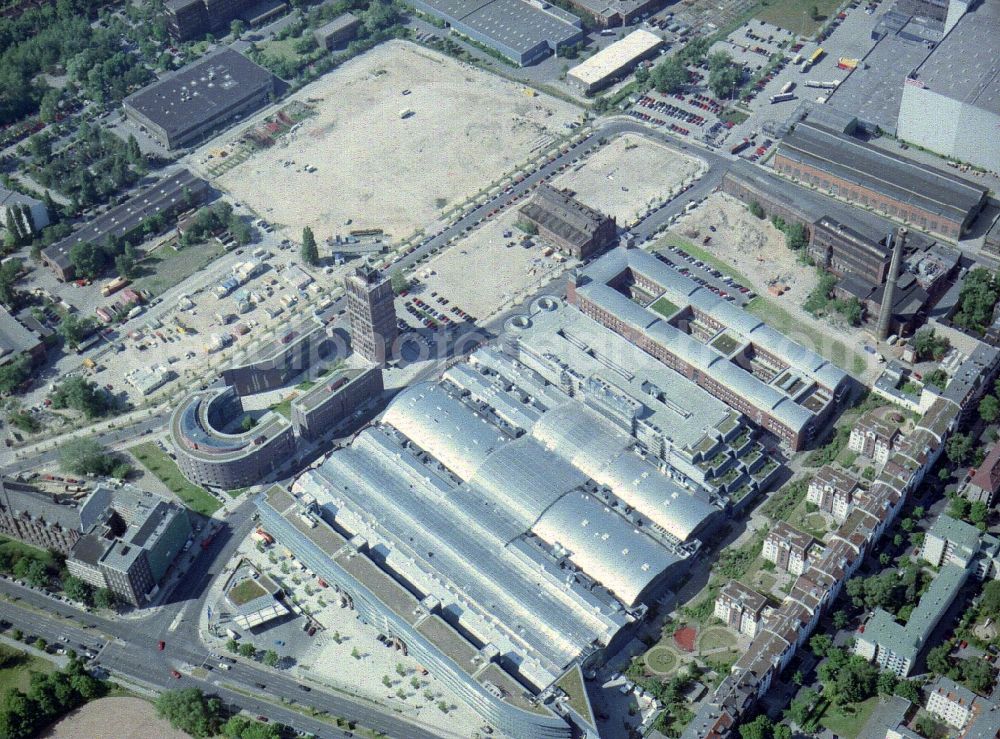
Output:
[[175, 674], [161, 645]]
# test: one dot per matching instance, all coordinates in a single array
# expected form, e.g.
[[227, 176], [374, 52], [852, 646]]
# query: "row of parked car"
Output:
[[707, 268]]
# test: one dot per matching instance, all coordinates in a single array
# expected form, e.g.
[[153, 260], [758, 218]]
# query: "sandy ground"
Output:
[[114, 718], [756, 249], [630, 175], [483, 273], [468, 128]]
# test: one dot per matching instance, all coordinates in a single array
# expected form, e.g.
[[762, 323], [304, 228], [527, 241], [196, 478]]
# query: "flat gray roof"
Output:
[[14, 337], [896, 177], [201, 90], [964, 64]]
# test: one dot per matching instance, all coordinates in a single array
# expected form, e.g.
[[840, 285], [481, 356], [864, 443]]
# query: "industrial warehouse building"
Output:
[[613, 13], [173, 194], [568, 223], [951, 101], [204, 96], [525, 32], [610, 63], [932, 199], [336, 32], [780, 385]]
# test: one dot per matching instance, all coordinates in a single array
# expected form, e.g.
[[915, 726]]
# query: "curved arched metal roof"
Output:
[[604, 545]]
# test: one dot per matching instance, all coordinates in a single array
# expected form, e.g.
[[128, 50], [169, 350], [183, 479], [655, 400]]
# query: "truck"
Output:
[[737, 148], [787, 87], [847, 63], [114, 286], [782, 97], [822, 85]]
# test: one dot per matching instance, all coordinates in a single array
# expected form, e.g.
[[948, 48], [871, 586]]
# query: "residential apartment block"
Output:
[[833, 491], [874, 438], [741, 608], [985, 482], [952, 703], [950, 541], [788, 548]]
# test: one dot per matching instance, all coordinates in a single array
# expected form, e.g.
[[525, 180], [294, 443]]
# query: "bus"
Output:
[[114, 286], [816, 56], [782, 97]]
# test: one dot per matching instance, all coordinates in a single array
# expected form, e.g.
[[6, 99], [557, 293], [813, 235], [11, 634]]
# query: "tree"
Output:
[[795, 236], [928, 345], [840, 619], [820, 645], [310, 254], [74, 329], [14, 374], [85, 456], [724, 78], [670, 76], [976, 299], [802, 707], [908, 690], [399, 281], [814, 13], [82, 395], [233, 646], [244, 727], [271, 658], [989, 408], [937, 659], [781, 731], [79, 590], [40, 644], [886, 683], [125, 266], [236, 28], [958, 449], [989, 603], [87, 259], [977, 674], [979, 512], [247, 650], [760, 728], [756, 209], [104, 598], [10, 273], [191, 711], [959, 507]]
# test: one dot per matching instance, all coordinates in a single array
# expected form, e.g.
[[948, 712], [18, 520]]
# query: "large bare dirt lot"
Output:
[[382, 170], [114, 718], [487, 272], [628, 176]]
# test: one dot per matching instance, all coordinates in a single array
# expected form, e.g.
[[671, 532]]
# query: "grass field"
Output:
[[835, 351], [159, 464], [661, 659], [167, 266], [19, 549], [664, 307], [17, 669], [245, 592], [842, 723], [795, 14], [718, 638]]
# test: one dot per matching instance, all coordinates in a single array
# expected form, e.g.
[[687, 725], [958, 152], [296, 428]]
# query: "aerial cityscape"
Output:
[[556, 369]]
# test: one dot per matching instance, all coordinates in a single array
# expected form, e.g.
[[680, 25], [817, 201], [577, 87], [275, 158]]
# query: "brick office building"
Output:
[[568, 223]]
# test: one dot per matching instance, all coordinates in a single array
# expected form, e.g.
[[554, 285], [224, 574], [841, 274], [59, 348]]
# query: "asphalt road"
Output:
[[127, 646]]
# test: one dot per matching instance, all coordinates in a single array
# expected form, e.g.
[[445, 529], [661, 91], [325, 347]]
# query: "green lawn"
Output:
[[17, 669], [167, 266], [281, 49], [245, 592], [661, 659], [847, 723], [664, 307], [284, 407], [16, 549], [716, 638], [159, 464], [733, 115], [821, 343], [795, 14]]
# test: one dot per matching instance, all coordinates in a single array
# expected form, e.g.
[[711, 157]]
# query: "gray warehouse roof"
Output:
[[161, 196], [905, 180], [964, 64], [14, 337], [198, 92]]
